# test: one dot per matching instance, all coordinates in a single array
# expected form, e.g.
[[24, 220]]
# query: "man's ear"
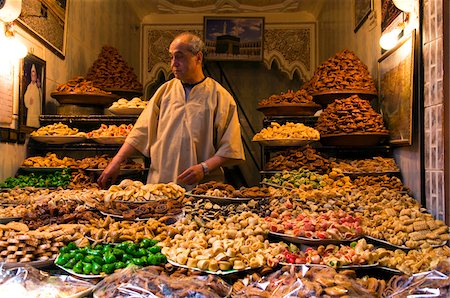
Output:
[[200, 57]]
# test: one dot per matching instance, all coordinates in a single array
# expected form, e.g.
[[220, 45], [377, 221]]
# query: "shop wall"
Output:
[[336, 32], [433, 49], [290, 58], [90, 25]]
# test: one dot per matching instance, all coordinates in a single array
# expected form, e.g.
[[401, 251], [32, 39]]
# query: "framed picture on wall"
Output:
[[46, 21], [396, 86], [31, 92], [362, 9], [389, 12], [234, 38]]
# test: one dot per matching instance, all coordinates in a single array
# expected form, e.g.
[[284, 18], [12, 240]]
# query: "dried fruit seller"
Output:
[[190, 128]]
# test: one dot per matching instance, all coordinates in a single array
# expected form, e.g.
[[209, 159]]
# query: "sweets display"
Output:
[[350, 115], [136, 102], [57, 129], [287, 131], [111, 131], [80, 85], [343, 71], [302, 158], [299, 96], [111, 71]]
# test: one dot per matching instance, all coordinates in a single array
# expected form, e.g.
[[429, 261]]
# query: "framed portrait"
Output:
[[31, 92], [362, 9], [396, 86], [234, 38], [389, 12], [46, 21]]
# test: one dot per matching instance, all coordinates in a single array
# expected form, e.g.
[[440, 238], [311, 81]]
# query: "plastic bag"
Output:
[[305, 281], [30, 282], [153, 281], [435, 283]]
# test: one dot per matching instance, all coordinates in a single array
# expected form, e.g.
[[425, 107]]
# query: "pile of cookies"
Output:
[[302, 158], [299, 96], [343, 71], [57, 129], [133, 103], [350, 115], [80, 85], [111, 71]]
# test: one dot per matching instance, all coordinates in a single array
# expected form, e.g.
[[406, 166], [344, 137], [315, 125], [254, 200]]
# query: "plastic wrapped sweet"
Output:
[[304, 281], [153, 281], [435, 283], [31, 282]]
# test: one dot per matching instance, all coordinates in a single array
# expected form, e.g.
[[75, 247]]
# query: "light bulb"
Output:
[[390, 39], [10, 10], [404, 5]]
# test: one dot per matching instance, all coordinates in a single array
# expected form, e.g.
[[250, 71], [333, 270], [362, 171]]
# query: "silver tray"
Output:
[[215, 199], [311, 241], [4, 220], [121, 171], [387, 244], [388, 173], [276, 185], [109, 140], [59, 140], [35, 264], [89, 276], [352, 267], [218, 272], [390, 270], [285, 142], [42, 169]]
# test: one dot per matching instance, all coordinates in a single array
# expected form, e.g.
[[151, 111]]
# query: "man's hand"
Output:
[[109, 174], [192, 175]]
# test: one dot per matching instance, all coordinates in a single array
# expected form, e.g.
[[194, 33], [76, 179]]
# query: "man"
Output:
[[190, 127], [32, 99]]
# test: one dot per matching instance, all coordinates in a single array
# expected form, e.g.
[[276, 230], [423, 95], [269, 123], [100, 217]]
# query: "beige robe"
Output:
[[181, 133]]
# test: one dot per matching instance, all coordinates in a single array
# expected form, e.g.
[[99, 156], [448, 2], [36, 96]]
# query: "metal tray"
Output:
[[218, 272], [311, 241], [215, 199], [285, 142]]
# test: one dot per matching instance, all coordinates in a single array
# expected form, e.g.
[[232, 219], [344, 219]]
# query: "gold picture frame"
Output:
[[46, 20], [362, 9], [396, 90]]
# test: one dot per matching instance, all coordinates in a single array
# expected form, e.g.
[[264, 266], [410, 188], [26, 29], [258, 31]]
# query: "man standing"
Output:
[[190, 128]]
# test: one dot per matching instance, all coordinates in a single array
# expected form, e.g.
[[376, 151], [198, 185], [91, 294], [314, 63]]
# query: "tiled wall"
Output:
[[434, 107]]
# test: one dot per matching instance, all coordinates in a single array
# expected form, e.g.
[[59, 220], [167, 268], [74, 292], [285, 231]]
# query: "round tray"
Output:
[[326, 97], [220, 200], [128, 94], [290, 109], [218, 272], [4, 220], [311, 241], [353, 139], [87, 276], [109, 140], [126, 111], [58, 140], [42, 169], [35, 264], [122, 172], [92, 99], [284, 142]]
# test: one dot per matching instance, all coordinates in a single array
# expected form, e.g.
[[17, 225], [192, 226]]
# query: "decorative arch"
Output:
[[286, 66]]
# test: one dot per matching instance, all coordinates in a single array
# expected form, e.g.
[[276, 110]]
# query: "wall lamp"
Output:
[[10, 47]]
